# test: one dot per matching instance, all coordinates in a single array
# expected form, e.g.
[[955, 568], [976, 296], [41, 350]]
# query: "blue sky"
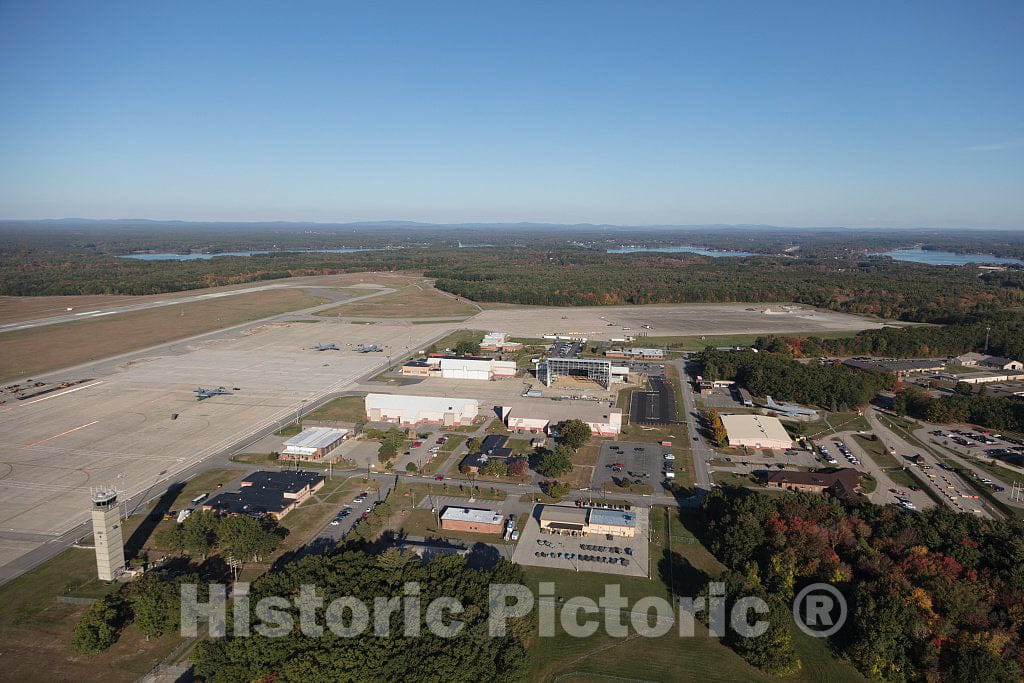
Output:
[[789, 113]]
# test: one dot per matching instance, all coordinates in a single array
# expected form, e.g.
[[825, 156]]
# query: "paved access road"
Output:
[[700, 452]]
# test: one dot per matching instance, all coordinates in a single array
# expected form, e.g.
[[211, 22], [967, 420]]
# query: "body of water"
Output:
[[948, 258], [206, 257], [676, 250]]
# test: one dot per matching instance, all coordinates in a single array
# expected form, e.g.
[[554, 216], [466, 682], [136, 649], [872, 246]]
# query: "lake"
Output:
[[948, 258], [206, 257], [676, 250]]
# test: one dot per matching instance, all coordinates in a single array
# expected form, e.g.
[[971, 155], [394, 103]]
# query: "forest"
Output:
[[834, 387], [932, 595], [470, 657], [992, 412]]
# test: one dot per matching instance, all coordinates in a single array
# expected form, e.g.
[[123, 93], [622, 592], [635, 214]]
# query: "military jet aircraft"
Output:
[[325, 347], [202, 393], [369, 348]]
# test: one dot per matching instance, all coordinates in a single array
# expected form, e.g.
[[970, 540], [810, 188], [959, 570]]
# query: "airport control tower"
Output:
[[106, 530]]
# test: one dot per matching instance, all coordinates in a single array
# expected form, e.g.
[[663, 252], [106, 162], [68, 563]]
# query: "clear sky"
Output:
[[789, 113]]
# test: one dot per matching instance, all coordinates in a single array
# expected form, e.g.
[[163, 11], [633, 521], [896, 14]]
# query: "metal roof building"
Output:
[[314, 442], [406, 409]]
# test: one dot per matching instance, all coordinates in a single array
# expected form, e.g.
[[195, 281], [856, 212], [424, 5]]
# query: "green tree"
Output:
[[467, 348], [556, 489], [574, 433], [98, 627], [248, 539], [198, 532], [555, 463], [411, 467], [495, 467], [154, 605]]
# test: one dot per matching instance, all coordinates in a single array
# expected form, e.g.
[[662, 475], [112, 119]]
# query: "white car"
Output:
[[669, 456]]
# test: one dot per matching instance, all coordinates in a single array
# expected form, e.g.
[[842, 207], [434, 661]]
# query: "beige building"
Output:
[[412, 410], [540, 415], [583, 521], [756, 431]]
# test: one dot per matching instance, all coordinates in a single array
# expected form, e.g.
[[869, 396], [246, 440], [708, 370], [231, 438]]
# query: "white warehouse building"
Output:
[[412, 410], [470, 368], [756, 431], [541, 415]]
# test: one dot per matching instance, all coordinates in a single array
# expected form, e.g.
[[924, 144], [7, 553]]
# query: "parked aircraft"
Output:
[[369, 348], [789, 408], [325, 347], [202, 393]]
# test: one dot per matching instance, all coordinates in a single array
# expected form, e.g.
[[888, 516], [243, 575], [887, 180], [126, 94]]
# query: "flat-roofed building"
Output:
[[452, 367], [498, 341], [540, 415], [583, 521], [263, 493], [313, 443], [636, 354], [756, 431], [475, 520], [411, 410]]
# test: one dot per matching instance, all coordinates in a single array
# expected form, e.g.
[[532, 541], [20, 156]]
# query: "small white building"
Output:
[[412, 410], [313, 443], [756, 431], [973, 360], [498, 341]]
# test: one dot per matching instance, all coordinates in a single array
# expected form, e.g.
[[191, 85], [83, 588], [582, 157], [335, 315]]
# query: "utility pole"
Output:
[[987, 330]]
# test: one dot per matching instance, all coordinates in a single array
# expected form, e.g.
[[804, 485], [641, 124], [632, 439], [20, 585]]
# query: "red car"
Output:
[[618, 464], [417, 444], [438, 478]]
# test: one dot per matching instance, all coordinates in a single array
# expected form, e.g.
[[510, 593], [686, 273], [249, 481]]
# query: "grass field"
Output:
[[344, 409], [419, 300], [41, 349]]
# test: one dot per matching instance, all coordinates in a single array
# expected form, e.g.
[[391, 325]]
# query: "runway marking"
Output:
[[63, 393], [105, 313], [50, 438], [88, 312]]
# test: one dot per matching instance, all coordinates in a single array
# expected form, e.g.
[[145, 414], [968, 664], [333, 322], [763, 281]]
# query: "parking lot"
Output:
[[724, 398], [541, 549], [566, 349], [639, 462]]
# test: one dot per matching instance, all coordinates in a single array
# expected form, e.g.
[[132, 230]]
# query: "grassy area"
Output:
[[418, 300], [35, 629], [453, 442], [875, 450], [831, 423], [344, 409], [204, 482], [699, 343], [37, 350], [460, 490], [289, 430]]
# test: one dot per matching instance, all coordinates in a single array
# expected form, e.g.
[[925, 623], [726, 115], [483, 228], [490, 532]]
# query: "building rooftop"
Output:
[[285, 481], [418, 403], [561, 513], [896, 364], [612, 517], [475, 515], [755, 427], [316, 437], [265, 493], [558, 411], [846, 478]]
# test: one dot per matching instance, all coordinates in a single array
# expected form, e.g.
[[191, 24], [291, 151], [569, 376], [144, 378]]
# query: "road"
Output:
[[968, 463], [700, 451]]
